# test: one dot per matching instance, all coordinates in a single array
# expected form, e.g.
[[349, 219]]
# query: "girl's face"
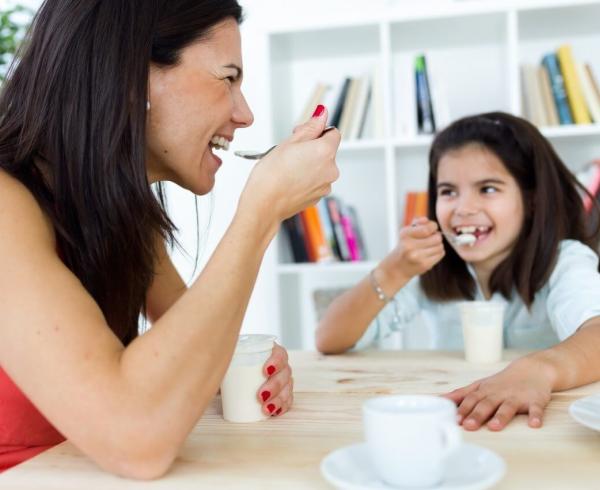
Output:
[[476, 192], [192, 105]]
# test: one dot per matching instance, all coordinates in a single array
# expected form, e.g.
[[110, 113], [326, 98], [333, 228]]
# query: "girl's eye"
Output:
[[446, 192], [489, 189]]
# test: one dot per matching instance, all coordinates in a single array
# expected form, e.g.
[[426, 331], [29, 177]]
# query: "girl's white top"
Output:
[[569, 298]]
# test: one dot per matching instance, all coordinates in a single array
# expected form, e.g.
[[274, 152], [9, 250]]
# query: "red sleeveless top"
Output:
[[24, 432]]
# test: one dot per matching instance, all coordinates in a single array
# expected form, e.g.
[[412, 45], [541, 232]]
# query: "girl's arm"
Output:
[[130, 409], [420, 248], [527, 384]]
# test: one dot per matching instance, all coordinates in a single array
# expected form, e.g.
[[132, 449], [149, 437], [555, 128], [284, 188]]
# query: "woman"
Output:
[[108, 97]]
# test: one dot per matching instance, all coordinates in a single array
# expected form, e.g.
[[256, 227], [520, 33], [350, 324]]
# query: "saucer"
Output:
[[586, 411], [470, 467]]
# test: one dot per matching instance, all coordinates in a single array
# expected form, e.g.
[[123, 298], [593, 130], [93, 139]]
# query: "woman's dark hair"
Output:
[[76, 102], [552, 203]]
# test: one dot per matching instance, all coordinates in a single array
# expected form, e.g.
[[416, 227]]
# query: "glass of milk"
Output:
[[244, 377], [482, 327]]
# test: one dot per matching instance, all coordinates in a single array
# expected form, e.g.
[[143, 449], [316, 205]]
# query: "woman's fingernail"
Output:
[[495, 422], [265, 395], [270, 370], [319, 110], [459, 418], [278, 411], [270, 407]]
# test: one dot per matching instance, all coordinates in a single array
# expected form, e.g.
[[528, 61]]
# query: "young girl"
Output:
[[494, 177]]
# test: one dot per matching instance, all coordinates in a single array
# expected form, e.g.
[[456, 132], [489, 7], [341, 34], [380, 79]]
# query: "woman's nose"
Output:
[[242, 114]]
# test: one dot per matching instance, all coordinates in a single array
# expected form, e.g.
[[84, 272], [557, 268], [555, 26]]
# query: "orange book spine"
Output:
[[409, 208], [421, 205], [318, 246]]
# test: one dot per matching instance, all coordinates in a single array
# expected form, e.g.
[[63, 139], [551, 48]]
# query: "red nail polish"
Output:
[[278, 411], [270, 370], [265, 395], [319, 110], [270, 407]]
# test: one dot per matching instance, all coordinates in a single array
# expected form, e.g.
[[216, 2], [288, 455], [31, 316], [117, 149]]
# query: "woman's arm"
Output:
[[167, 286], [345, 321], [527, 384], [130, 409]]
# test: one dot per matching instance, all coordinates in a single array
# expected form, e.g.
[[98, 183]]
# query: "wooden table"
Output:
[[285, 453]]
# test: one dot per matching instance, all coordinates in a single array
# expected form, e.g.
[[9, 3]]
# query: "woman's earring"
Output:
[[147, 105]]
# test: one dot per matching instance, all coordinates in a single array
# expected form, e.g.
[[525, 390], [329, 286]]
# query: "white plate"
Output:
[[470, 467], [586, 411]]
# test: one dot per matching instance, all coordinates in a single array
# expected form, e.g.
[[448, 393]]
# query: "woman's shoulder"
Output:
[[20, 214]]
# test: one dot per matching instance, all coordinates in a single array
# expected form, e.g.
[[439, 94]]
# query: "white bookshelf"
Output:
[[476, 47]]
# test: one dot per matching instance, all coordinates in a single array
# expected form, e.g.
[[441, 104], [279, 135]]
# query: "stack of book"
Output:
[[560, 90], [327, 232], [351, 104]]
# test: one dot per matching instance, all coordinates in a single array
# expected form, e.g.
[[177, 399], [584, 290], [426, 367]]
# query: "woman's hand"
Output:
[[525, 386], [419, 248], [297, 173], [276, 394]]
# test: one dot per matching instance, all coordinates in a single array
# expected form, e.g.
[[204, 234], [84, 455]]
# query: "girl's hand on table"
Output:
[[277, 393], [525, 386]]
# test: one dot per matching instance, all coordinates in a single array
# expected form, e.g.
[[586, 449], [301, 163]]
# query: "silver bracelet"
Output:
[[396, 319], [377, 288]]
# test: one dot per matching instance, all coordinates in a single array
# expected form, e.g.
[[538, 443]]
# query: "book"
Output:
[[339, 103], [532, 96], [409, 208], [550, 63], [316, 97], [360, 242], [551, 114], [592, 77], [351, 240], [318, 248], [338, 230], [589, 93], [425, 121], [573, 85], [439, 97], [328, 229], [349, 107], [361, 106], [294, 231], [421, 204]]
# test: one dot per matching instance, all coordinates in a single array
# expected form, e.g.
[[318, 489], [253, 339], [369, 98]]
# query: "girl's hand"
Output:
[[525, 386], [276, 394], [297, 173], [419, 248]]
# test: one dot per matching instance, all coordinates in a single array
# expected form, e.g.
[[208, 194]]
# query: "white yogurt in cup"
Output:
[[482, 327], [244, 377]]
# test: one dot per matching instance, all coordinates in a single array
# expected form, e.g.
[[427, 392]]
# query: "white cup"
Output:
[[482, 327], [409, 437], [244, 377]]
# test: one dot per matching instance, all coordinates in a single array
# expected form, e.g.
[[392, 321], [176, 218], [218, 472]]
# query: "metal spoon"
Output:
[[256, 155]]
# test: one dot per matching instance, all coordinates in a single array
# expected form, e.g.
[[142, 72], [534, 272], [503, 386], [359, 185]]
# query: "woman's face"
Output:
[[477, 194], [192, 105]]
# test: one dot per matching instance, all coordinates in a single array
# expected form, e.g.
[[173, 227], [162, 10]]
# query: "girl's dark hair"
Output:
[[552, 203], [76, 101]]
